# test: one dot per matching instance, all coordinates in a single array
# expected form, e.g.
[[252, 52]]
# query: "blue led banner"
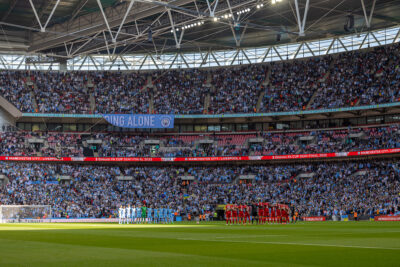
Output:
[[140, 120]]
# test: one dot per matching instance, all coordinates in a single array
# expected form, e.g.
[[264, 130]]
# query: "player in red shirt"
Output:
[[285, 216], [267, 213], [241, 214], [272, 216], [260, 213], [246, 214], [278, 214], [234, 213]]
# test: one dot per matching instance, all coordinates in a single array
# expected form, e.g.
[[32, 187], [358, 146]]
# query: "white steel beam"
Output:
[[397, 36], [376, 39], [216, 60], [276, 51], [212, 10], [144, 60], [51, 15], [239, 39], [104, 17], [78, 8], [43, 27], [301, 23], [123, 20], [204, 58], [266, 54], [155, 63], [178, 44], [245, 55], [309, 48], [85, 43], [184, 60], [368, 19]]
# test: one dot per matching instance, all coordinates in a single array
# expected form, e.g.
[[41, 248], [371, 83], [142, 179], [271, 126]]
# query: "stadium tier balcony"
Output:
[[195, 145]]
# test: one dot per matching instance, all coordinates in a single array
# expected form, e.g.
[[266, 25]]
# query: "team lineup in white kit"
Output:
[[143, 214]]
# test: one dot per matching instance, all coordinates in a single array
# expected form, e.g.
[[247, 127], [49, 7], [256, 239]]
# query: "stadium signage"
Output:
[[314, 219], [209, 159], [147, 121], [73, 220], [387, 218]]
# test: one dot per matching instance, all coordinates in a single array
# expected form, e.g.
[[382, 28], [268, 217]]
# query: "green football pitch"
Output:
[[301, 244]]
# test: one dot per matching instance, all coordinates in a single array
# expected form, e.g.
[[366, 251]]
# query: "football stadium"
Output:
[[199, 133]]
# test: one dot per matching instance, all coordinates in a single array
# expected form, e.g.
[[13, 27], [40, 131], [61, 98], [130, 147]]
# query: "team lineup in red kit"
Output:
[[259, 213]]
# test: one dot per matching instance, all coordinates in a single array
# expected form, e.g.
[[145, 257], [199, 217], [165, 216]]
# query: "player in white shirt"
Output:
[[120, 215], [133, 214], [123, 214], [128, 214]]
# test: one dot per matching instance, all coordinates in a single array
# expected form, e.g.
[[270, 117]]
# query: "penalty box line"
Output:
[[289, 243]]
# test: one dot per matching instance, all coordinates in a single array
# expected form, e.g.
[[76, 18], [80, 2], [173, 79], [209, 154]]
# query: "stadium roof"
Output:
[[69, 28]]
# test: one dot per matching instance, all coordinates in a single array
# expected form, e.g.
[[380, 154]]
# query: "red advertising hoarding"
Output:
[[314, 219], [387, 218], [206, 159]]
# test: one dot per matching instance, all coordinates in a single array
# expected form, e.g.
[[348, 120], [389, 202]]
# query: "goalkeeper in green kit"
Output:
[[144, 213]]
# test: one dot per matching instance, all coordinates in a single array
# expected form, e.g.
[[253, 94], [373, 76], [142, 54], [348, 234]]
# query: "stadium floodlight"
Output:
[[189, 26], [243, 11], [24, 213]]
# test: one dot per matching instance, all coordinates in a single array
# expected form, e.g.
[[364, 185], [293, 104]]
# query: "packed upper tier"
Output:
[[348, 79]]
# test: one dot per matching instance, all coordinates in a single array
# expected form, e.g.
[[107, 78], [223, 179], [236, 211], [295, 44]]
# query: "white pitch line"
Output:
[[247, 236], [289, 243]]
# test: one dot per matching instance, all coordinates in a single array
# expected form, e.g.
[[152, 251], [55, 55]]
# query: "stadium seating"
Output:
[[245, 144], [96, 191], [346, 79]]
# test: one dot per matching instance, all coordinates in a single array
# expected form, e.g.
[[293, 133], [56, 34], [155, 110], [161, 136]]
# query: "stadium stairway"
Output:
[[207, 98], [149, 87], [29, 83], [92, 99], [207, 103], [265, 85], [323, 79]]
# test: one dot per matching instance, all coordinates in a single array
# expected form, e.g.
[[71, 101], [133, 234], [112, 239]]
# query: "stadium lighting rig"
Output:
[[275, 1], [243, 11], [226, 16], [188, 26]]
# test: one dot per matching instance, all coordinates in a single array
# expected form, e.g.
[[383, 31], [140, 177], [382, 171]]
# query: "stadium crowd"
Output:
[[347, 79], [22, 143], [330, 188], [180, 92]]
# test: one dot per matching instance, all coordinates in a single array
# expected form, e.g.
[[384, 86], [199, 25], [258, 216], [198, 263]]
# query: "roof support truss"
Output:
[[104, 17], [212, 9], [301, 23], [238, 39], [368, 19], [177, 42], [43, 27]]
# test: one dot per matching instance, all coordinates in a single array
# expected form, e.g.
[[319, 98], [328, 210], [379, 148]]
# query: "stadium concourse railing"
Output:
[[322, 156], [235, 115]]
